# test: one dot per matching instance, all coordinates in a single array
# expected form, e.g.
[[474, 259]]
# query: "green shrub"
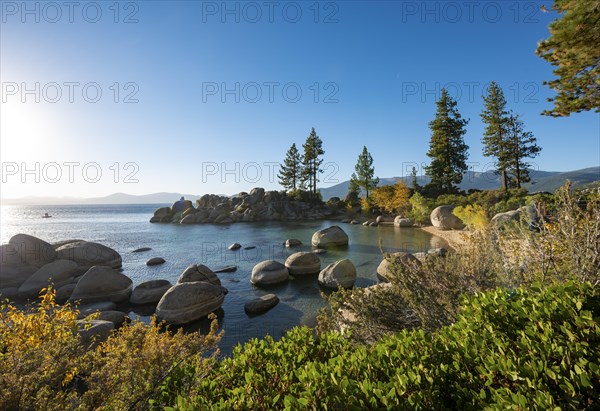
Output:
[[522, 349]]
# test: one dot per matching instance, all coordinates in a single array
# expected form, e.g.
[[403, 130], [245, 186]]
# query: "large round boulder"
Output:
[[303, 262], [150, 292], [9, 256], [198, 272], [188, 302], [339, 274], [15, 276], [443, 219], [332, 236], [269, 272], [93, 332], [385, 268], [88, 254], [101, 283], [32, 250], [58, 273]]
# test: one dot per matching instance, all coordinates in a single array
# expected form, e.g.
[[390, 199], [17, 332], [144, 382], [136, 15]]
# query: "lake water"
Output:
[[126, 227]]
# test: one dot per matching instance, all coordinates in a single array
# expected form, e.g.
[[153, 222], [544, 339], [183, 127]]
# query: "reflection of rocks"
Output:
[[262, 304], [102, 284], [339, 274], [385, 270], [188, 302], [149, 292], [258, 205], [269, 272], [443, 219], [332, 236], [303, 263]]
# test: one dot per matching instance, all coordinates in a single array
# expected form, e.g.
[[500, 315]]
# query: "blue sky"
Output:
[[201, 97]]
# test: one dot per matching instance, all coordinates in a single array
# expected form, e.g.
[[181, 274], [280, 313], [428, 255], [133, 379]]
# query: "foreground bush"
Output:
[[524, 349], [44, 366]]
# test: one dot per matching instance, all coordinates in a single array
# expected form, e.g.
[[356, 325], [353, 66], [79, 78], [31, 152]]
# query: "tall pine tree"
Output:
[[290, 172], [495, 117], [447, 147], [573, 50], [521, 145], [365, 172], [313, 149]]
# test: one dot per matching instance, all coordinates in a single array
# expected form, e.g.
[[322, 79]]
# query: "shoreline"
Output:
[[454, 238]]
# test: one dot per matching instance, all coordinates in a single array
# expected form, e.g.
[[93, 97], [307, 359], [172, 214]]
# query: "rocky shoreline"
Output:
[[258, 205]]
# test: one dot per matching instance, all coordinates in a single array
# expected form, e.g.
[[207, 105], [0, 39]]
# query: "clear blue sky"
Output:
[[213, 89]]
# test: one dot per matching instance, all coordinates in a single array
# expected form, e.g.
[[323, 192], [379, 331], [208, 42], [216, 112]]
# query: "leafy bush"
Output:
[[524, 349], [391, 198], [421, 208], [43, 364], [474, 216]]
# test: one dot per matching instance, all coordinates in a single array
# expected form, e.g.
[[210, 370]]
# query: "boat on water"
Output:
[[46, 215]]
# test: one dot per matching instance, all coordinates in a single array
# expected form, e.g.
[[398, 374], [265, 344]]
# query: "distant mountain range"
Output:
[[117, 198], [542, 181]]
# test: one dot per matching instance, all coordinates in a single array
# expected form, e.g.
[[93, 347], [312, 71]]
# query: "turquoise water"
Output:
[[126, 228]]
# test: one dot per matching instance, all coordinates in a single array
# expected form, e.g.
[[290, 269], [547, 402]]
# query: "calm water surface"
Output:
[[126, 227]]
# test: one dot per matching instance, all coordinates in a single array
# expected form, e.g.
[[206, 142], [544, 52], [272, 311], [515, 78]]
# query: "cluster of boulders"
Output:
[[87, 273], [340, 274], [258, 205]]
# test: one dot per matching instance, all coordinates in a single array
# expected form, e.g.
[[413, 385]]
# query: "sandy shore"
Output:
[[455, 238]]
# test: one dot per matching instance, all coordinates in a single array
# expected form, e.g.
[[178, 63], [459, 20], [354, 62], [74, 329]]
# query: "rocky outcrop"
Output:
[[102, 284], [198, 272], [268, 273], [88, 254], [303, 262], [526, 213], [385, 270], [443, 219], [187, 302], [262, 304], [332, 236], [149, 292], [258, 205], [339, 274], [15, 276]]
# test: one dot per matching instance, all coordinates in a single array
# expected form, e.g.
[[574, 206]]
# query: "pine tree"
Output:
[[495, 117], [311, 162], [573, 49], [365, 172], [352, 197], [521, 145], [291, 170], [447, 147], [415, 184]]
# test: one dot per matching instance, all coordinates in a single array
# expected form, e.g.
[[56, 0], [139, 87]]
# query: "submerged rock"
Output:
[[155, 261], [262, 304]]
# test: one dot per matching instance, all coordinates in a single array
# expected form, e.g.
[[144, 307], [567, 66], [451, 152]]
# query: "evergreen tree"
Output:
[[365, 172], [447, 147], [311, 162], [290, 172], [573, 49], [522, 145], [352, 197], [413, 175], [495, 117]]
